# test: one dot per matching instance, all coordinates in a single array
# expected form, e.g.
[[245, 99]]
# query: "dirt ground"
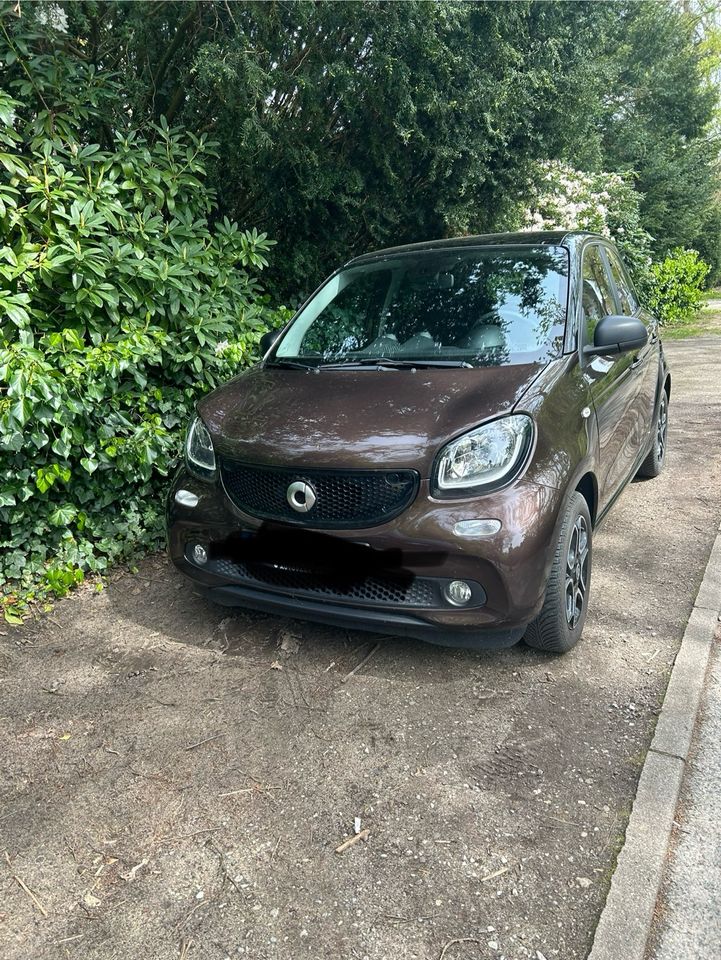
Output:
[[175, 780]]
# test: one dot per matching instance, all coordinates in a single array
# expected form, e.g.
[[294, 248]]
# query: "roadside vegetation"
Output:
[[705, 323], [175, 172]]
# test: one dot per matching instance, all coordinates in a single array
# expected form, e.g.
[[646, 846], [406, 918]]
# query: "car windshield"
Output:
[[451, 307]]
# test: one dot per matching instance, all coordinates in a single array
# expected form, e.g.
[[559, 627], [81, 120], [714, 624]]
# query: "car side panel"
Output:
[[645, 363], [614, 387], [648, 371]]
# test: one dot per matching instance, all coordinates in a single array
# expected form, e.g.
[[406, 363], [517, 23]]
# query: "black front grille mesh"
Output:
[[417, 592], [344, 498]]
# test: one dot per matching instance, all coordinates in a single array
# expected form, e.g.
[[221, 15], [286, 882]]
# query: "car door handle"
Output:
[[637, 361]]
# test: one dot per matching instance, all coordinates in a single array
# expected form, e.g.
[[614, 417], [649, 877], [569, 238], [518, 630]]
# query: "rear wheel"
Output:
[[559, 625], [653, 464]]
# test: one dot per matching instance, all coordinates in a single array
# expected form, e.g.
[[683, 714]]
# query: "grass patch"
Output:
[[706, 323]]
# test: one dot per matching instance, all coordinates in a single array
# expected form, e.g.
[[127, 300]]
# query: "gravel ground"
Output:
[[174, 781], [688, 922]]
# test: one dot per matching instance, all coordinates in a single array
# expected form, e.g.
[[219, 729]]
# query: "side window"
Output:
[[597, 297], [629, 301]]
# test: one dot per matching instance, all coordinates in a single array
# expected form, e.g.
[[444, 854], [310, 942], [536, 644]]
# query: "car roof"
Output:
[[568, 238]]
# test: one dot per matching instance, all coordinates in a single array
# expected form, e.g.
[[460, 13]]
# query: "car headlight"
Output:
[[199, 453], [484, 458]]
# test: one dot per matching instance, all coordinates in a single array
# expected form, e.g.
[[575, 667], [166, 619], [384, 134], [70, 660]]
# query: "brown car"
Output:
[[428, 446]]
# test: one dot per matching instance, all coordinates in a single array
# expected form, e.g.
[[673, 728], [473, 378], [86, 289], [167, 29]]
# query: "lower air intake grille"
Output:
[[418, 592]]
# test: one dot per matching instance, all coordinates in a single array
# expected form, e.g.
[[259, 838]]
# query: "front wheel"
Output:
[[653, 464], [559, 625]]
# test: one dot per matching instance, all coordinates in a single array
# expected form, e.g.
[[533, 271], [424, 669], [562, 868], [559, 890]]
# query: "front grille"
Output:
[[344, 498], [376, 591]]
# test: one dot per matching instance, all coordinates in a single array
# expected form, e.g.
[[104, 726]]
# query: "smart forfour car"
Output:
[[429, 445]]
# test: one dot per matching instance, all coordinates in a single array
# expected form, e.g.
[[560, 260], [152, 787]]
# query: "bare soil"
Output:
[[174, 780]]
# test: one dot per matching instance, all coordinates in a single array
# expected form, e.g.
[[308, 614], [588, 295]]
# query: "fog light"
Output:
[[458, 592], [186, 499], [199, 555], [476, 528]]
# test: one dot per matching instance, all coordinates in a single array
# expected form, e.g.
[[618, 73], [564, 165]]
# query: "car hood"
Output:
[[356, 418]]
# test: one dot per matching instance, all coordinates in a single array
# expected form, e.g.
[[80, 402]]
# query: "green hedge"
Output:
[[676, 287], [119, 305]]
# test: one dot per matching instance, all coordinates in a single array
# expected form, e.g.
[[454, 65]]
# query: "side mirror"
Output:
[[617, 334], [268, 339]]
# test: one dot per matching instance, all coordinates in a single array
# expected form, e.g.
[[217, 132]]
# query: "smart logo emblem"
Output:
[[301, 496]]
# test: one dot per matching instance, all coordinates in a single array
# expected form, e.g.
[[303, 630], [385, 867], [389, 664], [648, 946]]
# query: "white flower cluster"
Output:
[[569, 199], [605, 203], [51, 15]]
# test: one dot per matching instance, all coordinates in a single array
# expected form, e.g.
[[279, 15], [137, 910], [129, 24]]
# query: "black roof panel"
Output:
[[525, 238]]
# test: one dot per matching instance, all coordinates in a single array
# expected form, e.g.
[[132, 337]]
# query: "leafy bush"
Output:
[[119, 305], [677, 288]]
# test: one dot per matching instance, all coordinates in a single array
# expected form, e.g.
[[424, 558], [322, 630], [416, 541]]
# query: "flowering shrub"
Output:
[[607, 203], [604, 203], [119, 305]]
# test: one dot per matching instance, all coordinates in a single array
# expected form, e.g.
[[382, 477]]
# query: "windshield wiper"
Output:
[[291, 365], [396, 362]]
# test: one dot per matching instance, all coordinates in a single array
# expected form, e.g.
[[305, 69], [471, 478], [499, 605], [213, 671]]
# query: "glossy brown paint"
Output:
[[356, 418], [592, 428]]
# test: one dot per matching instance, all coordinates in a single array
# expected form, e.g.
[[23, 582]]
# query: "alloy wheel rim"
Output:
[[662, 429], [577, 572]]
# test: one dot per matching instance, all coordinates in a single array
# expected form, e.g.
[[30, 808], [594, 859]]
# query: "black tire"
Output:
[[653, 464], [559, 625]]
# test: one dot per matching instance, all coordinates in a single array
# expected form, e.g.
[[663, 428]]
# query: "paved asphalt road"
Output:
[[174, 780]]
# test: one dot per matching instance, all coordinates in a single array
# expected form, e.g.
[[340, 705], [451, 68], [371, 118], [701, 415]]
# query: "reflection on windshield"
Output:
[[488, 306]]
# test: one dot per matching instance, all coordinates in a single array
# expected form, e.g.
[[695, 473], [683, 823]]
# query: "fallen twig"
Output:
[[201, 742], [457, 940], [223, 866], [496, 873], [130, 875], [257, 788], [25, 887], [185, 945], [187, 836], [569, 823], [186, 918], [275, 848], [363, 662], [363, 835]]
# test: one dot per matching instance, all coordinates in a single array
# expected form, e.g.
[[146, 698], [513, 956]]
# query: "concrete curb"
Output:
[[625, 923]]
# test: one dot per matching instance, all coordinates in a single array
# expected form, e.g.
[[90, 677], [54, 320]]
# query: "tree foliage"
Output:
[[658, 113], [601, 202], [346, 126]]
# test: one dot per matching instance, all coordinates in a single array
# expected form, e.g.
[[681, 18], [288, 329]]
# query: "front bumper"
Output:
[[507, 571]]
